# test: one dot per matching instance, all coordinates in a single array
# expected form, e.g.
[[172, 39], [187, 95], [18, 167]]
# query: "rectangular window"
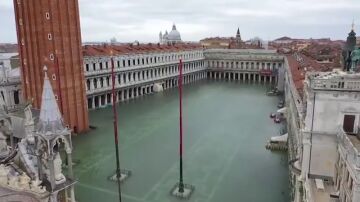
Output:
[[348, 124]]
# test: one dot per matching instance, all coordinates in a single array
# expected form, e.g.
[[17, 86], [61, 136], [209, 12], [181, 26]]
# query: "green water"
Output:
[[226, 126]]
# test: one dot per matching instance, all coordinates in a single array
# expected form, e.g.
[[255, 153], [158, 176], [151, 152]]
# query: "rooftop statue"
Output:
[[355, 59]]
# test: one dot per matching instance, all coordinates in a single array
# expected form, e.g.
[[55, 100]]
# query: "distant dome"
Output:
[[174, 35]]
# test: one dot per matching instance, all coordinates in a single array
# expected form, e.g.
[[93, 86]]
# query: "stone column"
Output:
[[52, 173], [122, 95], [92, 87]]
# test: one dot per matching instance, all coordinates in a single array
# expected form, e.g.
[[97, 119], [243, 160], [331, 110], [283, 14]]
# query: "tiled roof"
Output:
[[101, 50], [299, 64]]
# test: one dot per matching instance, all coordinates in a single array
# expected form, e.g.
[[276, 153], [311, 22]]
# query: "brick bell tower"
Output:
[[48, 33]]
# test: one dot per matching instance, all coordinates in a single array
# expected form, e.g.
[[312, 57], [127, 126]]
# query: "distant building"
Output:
[[170, 38], [230, 42], [283, 40], [141, 69], [253, 65]]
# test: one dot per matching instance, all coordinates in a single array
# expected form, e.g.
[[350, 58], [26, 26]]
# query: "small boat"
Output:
[[280, 105], [277, 120]]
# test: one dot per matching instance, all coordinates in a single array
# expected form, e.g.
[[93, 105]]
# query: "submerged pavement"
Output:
[[226, 127]]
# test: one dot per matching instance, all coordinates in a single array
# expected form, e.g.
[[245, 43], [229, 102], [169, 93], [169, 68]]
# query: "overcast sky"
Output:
[[142, 20]]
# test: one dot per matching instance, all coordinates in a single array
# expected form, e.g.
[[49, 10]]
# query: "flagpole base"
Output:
[[186, 194], [124, 175]]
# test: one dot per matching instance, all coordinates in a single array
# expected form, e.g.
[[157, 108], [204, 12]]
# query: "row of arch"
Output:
[[143, 75], [245, 65], [241, 76], [104, 99], [121, 62]]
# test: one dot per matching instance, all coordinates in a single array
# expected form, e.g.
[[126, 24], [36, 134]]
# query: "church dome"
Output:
[[174, 35]]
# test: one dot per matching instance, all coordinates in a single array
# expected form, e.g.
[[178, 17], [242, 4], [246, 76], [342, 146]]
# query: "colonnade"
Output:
[[241, 76], [126, 93]]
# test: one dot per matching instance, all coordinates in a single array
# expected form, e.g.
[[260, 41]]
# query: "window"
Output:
[[51, 56], [49, 36], [47, 15], [56, 97], [53, 76], [87, 67], [348, 124], [16, 97]]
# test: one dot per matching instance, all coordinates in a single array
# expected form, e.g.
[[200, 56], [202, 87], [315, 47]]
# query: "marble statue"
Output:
[[355, 59], [2, 103], [59, 177], [28, 115]]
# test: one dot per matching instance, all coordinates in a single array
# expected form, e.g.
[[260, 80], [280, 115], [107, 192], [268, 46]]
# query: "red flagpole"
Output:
[[118, 174], [181, 183]]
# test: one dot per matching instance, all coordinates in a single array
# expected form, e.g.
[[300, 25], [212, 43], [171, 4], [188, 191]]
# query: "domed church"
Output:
[[170, 38]]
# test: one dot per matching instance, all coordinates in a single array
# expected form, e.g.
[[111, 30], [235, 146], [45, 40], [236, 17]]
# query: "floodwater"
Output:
[[226, 127]]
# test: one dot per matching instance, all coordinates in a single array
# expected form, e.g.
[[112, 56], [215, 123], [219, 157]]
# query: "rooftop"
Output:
[[106, 49]]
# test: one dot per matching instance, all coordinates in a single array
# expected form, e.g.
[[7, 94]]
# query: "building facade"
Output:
[[10, 83], [172, 37], [323, 124], [255, 65], [140, 70], [48, 34]]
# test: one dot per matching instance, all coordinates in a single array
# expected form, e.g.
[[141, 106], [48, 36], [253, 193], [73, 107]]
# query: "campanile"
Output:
[[49, 34]]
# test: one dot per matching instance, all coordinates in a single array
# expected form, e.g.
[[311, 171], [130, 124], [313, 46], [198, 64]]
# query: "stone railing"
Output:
[[334, 81], [349, 150]]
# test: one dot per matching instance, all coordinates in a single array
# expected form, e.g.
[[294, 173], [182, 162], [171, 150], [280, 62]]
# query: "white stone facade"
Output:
[[256, 65], [323, 162], [136, 74], [10, 83]]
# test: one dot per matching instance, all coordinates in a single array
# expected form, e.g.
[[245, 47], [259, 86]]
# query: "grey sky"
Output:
[[142, 20]]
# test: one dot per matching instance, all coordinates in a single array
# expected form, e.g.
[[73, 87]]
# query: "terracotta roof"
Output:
[[106, 49], [299, 64]]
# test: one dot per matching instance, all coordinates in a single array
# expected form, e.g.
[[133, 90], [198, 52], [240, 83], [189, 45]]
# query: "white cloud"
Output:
[[130, 20]]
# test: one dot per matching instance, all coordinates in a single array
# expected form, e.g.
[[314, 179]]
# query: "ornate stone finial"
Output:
[[353, 25], [45, 68]]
